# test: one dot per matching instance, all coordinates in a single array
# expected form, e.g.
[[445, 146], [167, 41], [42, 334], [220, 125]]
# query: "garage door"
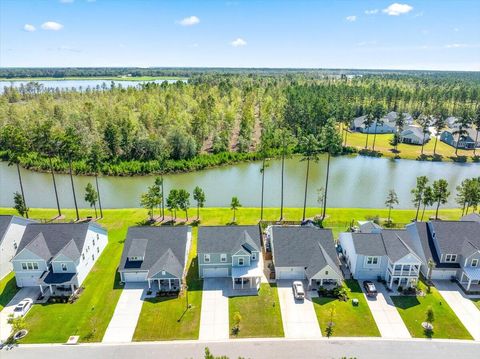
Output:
[[290, 273], [135, 276], [443, 274], [215, 272], [29, 282]]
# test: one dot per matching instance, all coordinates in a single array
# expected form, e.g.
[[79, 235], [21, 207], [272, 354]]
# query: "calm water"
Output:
[[78, 84], [354, 182]]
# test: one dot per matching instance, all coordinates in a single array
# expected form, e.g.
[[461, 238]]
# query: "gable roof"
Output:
[[50, 239], [451, 236], [475, 217], [6, 220], [369, 227], [416, 131], [163, 248], [228, 239], [309, 247]]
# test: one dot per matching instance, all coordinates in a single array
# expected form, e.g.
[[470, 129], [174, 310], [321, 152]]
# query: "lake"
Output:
[[354, 182]]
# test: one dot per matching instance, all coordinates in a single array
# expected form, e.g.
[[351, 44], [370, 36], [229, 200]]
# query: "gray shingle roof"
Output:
[[369, 244], [309, 247], [452, 235], [228, 239], [165, 249], [475, 217], [5, 221]]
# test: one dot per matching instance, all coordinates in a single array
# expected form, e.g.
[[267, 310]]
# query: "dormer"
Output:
[[136, 252]]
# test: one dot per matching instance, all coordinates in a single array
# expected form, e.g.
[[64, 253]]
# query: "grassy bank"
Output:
[[8, 288]]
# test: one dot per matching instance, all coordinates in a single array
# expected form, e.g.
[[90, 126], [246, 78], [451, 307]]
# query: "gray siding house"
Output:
[[11, 232], [156, 255], [231, 252], [414, 135], [58, 256], [305, 253], [466, 141]]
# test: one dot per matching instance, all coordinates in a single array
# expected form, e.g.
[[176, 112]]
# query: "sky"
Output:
[[433, 35]]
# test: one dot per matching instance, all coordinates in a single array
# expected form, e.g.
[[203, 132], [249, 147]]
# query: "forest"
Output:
[[215, 118]]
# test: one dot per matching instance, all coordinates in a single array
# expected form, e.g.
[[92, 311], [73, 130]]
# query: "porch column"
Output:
[[391, 282], [251, 281], [149, 284], [321, 282], [469, 283], [242, 283], [233, 283], [169, 284], [51, 291], [41, 289], [73, 289], [461, 278]]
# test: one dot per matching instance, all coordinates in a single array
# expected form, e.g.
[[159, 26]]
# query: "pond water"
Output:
[[354, 182]]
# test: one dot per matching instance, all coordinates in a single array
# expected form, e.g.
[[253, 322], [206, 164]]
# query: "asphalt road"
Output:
[[277, 349]]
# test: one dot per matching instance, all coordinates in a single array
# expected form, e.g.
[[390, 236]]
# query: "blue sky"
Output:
[[438, 35]]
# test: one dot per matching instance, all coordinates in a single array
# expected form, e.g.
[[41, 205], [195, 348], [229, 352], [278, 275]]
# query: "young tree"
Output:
[[440, 193], [392, 199], [183, 200], [234, 205], [149, 200], [429, 319], [418, 191], [95, 158], [310, 149], [172, 202], [427, 199], [331, 324], [159, 186], [91, 197], [199, 196], [19, 204]]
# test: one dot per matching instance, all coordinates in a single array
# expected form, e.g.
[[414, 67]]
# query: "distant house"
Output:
[[58, 256], [452, 122], [388, 255], [414, 135], [369, 227], [392, 117], [11, 232], [305, 253], [385, 127], [452, 246], [232, 252], [466, 141], [156, 255]]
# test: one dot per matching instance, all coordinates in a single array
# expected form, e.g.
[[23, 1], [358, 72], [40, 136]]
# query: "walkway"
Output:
[[299, 317], [463, 307], [388, 320], [214, 318], [124, 321], [26, 292]]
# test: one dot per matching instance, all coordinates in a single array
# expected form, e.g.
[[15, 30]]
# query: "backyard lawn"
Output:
[[476, 302], [413, 312], [260, 315], [349, 320], [8, 288]]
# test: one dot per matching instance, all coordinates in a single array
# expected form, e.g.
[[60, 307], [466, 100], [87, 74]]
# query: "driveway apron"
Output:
[[389, 321], [124, 321], [214, 318], [463, 307], [299, 317]]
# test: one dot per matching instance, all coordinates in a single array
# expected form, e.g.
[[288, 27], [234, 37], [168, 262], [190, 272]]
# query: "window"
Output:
[[35, 265], [93, 242], [98, 250], [24, 266], [163, 272], [64, 267], [15, 246], [372, 260], [223, 257], [206, 258], [240, 261], [83, 256], [326, 272], [398, 267], [93, 257], [254, 255], [30, 266], [98, 237], [406, 267], [474, 262], [450, 258]]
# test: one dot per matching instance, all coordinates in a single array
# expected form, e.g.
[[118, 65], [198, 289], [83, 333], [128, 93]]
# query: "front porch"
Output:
[[470, 279], [327, 284], [58, 284], [164, 284], [246, 277]]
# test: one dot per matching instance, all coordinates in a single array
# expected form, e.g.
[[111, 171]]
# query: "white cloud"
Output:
[[52, 25], [29, 28], [462, 46], [351, 18], [371, 12], [66, 1], [396, 9], [238, 42], [189, 21]]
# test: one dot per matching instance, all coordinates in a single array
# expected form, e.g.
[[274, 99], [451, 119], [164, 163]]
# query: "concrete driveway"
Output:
[[214, 323], [124, 321], [27, 292], [389, 322], [463, 307], [299, 318]]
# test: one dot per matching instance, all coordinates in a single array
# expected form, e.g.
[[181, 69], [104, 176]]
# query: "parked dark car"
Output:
[[370, 288]]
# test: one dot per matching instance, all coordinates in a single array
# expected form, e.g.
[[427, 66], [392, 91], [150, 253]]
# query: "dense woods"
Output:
[[216, 118]]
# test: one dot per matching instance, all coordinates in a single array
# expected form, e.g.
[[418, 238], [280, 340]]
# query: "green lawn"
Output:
[[413, 312], [260, 315], [167, 319], [476, 302], [8, 288], [350, 321]]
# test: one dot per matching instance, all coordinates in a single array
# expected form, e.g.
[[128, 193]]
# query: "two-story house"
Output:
[[452, 248], [231, 252], [305, 253], [156, 255], [11, 232], [58, 256], [388, 255]]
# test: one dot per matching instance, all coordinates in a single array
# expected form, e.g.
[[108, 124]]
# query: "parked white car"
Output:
[[298, 291], [22, 308]]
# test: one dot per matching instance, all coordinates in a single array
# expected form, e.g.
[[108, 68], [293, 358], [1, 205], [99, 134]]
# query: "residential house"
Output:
[[452, 248], [466, 141], [385, 127], [232, 252], [392, 117], [11, 232], [305, 253], [368, 227], [156, 255], [58, 256], [387, 255], [452, 122], [414, 135], [471, 217]]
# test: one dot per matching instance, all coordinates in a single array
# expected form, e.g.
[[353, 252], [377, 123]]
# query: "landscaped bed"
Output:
[[413, 311], [8, 289], [349, 320], [260, 314]]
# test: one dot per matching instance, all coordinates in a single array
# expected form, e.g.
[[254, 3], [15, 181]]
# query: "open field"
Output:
[[8, 289], [348, 320]]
